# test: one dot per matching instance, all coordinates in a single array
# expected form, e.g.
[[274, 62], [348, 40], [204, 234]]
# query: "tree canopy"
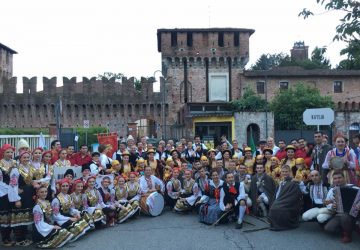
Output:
[[249, 102], [352, 52], [289, 105]]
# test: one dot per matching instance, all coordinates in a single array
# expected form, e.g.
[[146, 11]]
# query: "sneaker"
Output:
[[23, 243]]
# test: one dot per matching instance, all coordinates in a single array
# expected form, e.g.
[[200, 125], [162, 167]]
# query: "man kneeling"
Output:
[[232, 197]]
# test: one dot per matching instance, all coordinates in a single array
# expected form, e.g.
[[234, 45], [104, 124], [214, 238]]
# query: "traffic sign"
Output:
[[320, 116], [86, 124]]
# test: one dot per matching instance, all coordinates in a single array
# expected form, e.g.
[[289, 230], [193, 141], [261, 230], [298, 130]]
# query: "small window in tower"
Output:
[[221, 39], [236, 39], [338, 87], [173, 39], [260, 87], [189, 41]]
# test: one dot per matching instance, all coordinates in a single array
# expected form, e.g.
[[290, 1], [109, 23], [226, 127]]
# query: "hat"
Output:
[[174, 150], [23, 153], [268, 150], [130, 137], [289, 147], [259, 157], [6, 147], [226, 150], [211, 150], [299, 161], [247, 149], [235, 157], [85, 167], [70, 172], [151, 151], [46, 152], [38, 148], [140, 160], [115, 162], [23, 144], [203, 158], [125, 153]]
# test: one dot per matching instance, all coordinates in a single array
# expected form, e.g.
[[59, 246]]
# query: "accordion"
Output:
[[346, 199]]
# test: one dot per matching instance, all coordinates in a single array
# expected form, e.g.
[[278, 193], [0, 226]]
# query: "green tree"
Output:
[[270, 61], [349, 27], [249, 102], [109, 75], [289, 105], [352, 51], [317, 57]]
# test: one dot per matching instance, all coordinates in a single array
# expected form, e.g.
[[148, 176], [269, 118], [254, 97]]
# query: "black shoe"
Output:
[[239, 225]]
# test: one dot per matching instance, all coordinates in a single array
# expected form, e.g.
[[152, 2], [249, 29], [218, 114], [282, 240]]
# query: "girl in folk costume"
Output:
[[248, 160], [302, 173], [42, 174], [133, 190], [210, 210], [45, 234], [105, 193], [119, 197], [116, 168], [189, 194], [21, 192], [62, 161], [140, 166], [173, 188], [226, 156], [205, 163], [93, 204], [156, 166], [65, 214], [203, 181], [346, 154], [125, 163], [48, 176], [175, 155], [6, 164], [267, 159], [275, 170], [212, 159], [78, 199], [289, 159]]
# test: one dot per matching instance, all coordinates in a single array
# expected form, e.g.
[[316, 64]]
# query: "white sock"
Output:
[[241, 213]]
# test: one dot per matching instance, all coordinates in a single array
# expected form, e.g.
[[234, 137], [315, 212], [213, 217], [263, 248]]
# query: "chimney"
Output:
[[299, 52]]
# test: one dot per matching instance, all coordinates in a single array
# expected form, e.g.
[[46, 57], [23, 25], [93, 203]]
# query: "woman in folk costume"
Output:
[[133, 190], [6, 164], [212, 159], [302, 172], [289, 159], [116, 168], [226, 156], [210, 210], [248, 160], [48, 177], [65, 214], [189, 194], [205, 163], [156, 166], [175, 155], [275, 170], [93, 202], [62, 161], [346, 154], [140, 166], [79, 199], [119, 197], [173, 188], [45, 234], [125, 163], [267, 159], [21, 192], [105, 193]]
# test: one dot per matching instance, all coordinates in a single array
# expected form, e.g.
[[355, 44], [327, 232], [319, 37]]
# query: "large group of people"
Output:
[[284, 184]]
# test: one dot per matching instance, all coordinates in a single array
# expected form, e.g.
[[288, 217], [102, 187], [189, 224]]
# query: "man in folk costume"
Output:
[[316, 192], [318, 154], [262, 191], [285, 210], [343, 221], [232, 197]]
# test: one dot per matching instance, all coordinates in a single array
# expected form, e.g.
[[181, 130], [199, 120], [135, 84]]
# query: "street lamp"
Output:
[[164, 79]]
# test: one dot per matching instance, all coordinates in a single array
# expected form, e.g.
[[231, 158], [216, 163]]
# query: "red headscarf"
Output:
[[38, 148], [4, 148], [77, 181], [46, 152]]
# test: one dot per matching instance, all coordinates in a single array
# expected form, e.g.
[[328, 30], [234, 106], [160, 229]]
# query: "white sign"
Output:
[[86, 124], [321, 116]]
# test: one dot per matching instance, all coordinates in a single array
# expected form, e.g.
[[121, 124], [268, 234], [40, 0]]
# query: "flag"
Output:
[[252, 142], [42, 141]]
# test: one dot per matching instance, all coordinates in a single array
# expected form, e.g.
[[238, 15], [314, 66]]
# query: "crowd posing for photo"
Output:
[[284, 184]]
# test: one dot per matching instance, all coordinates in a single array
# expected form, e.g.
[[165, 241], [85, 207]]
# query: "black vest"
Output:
[[230, 197]]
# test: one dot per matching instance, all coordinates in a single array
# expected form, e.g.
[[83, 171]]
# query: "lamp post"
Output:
[[163, 81]]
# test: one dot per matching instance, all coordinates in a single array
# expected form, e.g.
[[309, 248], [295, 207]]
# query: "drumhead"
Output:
[[155, 202], [336, 163]]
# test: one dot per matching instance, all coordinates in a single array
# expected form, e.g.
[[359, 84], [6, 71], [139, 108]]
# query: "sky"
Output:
[[87, 37]]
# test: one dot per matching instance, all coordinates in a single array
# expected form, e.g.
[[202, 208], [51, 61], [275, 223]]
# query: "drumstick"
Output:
[[221, 217]]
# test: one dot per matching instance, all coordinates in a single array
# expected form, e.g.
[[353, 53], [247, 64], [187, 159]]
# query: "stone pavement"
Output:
[[178, 231]]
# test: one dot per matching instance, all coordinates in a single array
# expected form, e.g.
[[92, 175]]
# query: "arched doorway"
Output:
[[253, 131]]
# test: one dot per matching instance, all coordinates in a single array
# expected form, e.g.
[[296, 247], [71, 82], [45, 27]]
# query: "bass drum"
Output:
[[152, 204]]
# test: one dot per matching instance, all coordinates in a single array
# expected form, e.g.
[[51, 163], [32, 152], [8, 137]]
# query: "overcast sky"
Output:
[[85, 37]]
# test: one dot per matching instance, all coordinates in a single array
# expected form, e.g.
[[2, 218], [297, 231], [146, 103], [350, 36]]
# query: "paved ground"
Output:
[[175, 231]]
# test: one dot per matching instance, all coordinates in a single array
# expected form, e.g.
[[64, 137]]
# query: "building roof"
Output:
[[2, 46], [200, 30], [297, 71]]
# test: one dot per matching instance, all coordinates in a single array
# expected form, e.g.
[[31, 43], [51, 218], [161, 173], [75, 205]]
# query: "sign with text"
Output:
[[321, 116]]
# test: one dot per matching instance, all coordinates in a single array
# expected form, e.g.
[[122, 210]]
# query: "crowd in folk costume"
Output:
[[284, 184]]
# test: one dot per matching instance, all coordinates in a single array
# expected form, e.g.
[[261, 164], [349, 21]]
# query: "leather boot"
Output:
[[346, 237]]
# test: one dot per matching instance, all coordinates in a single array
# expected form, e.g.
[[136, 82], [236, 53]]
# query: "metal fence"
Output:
[[33, 140]]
